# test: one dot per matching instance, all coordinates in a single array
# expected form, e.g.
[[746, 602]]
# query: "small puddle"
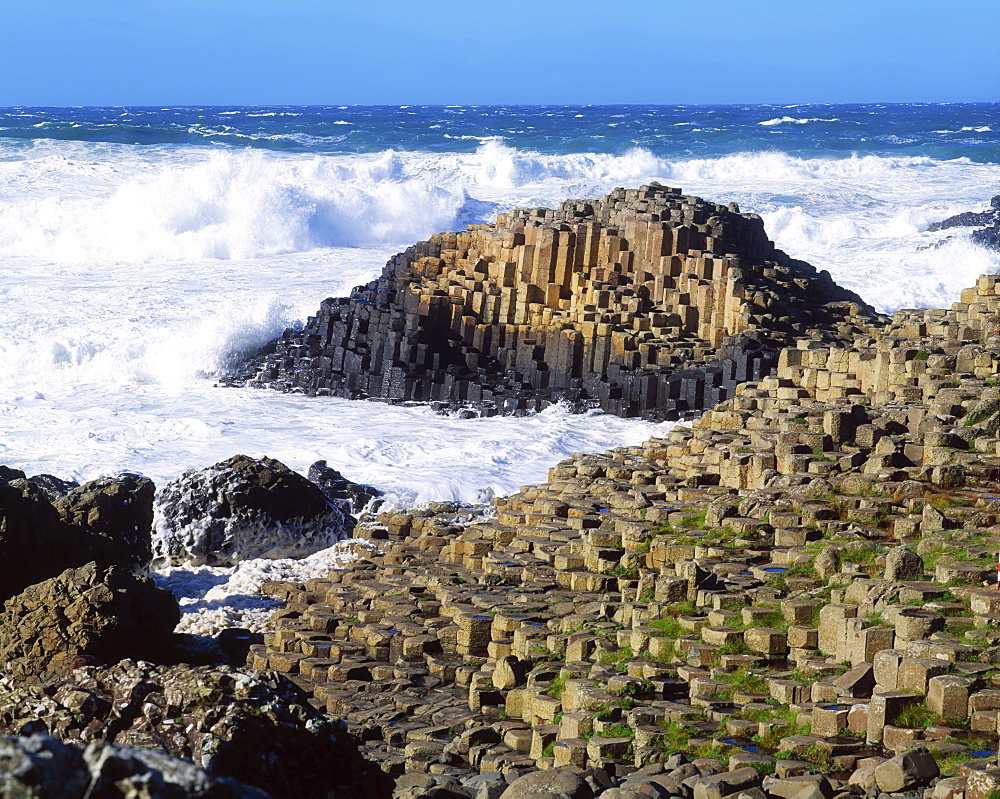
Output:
[[743, 743]]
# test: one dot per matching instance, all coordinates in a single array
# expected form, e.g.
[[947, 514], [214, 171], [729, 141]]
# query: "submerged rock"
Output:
[[254, 727], [243, 508], [105, 613], [988, 222]]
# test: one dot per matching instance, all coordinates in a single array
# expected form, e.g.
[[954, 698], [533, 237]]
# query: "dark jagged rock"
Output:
[[7, 474], [254, 727], [118, 514], [349, 497], [988, 223], [106, 613], [645, 303], [32, 537], [106, 520], [43, 768], [53, 487], [243, 508]]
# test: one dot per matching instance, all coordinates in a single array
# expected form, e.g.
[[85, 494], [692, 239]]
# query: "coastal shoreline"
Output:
[[786, 596]]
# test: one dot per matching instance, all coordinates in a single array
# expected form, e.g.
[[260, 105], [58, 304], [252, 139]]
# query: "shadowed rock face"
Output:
[[645, 303], [105, 613], [118, 513], [41, 767], [106, 521], [244, 508]]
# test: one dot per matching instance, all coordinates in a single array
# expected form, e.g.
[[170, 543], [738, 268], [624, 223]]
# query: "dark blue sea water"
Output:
[[939, 131]]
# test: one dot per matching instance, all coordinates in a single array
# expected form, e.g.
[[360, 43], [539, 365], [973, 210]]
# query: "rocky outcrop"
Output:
[[106, 521], [243, 508], [117, 514], [51, 486], [98, 613], [253, 727], [644, 303], [352, 498], [988, 222], [34, 542], [43, 768]]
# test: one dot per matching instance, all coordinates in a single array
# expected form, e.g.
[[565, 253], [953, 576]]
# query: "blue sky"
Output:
[[194, 52]]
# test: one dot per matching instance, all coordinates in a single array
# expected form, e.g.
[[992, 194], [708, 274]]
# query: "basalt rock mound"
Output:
[[644, 303], [99, 613], [254, 727], [243, 508]]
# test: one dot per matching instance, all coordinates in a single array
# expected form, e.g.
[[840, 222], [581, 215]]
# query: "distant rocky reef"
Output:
[[644, 303], [987, 222]]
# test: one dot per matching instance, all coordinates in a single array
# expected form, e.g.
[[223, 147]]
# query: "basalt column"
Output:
[[645, 303]]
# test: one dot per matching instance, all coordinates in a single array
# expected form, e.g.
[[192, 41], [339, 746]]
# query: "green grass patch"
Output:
[[668, 628], [916, 716], [747, 681], [558, 686]]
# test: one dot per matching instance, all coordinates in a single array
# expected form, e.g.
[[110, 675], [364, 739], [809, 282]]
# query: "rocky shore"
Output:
[[785, 598], [794, 596]]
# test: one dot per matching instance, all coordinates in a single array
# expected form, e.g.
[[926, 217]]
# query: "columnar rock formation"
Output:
[[790, 592], [646, 302]]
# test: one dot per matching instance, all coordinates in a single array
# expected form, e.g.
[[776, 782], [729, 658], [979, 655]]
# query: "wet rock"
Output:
[[243, 508], [106, 613], [350, 497], [986, 236]]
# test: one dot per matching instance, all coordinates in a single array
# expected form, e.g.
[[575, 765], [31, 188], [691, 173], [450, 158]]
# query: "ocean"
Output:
[[144, 251]]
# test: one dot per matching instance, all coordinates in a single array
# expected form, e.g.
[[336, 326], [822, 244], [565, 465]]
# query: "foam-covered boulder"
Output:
[[243, 508], [253, 726], [104, 613], [40, 766]]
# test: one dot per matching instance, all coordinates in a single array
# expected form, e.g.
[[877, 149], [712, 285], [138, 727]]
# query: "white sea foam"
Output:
[[212, 598], [795, 120]]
